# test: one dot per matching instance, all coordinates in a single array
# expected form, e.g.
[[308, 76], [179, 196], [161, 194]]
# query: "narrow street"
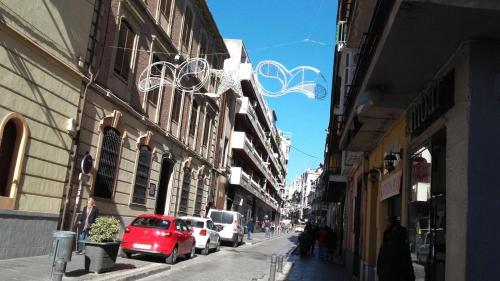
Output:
[[242, 263]]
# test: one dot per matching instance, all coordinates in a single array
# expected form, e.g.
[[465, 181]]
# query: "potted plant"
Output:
[[102, 247]]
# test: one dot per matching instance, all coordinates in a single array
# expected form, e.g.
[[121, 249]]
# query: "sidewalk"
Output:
[[37, 268], [312, 268]]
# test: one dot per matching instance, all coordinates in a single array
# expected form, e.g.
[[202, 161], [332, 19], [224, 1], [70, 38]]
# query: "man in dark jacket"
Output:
[[90, 213], [394, 260]]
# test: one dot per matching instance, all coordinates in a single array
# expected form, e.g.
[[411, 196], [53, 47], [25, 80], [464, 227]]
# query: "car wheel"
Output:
[[191, 254], [206, 249], [218, 246], [173, 257], [125, 255]]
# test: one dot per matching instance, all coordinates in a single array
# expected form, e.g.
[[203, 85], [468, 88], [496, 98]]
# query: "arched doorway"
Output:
[[167, 165]]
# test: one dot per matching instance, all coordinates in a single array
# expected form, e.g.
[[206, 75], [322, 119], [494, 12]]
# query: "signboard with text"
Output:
[[390, 186]]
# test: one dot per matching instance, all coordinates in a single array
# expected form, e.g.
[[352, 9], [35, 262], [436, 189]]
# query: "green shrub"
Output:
[[104, 229]]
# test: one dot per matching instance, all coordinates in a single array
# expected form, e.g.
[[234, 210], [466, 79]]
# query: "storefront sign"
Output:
[[390, 186], [431, 104]]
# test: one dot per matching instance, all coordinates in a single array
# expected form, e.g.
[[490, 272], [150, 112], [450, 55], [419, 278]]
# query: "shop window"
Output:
[[186, 181], [8, 153], [108, 161], [142, 175], [124, 50]]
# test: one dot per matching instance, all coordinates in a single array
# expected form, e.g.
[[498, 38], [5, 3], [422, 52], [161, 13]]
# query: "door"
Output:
[[166, 171], [180, 233]]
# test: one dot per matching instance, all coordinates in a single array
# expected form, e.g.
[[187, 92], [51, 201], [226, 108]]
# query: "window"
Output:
[[176, 108], [199, 197], [194, 118], [155, 70], [187, 29], [206, 130], [142, 175], [185, 192], [165, 8], [151, 223], [123, 57], [8, 153], [107, 163]]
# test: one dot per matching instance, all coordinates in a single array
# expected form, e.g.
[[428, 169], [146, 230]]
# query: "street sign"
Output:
[[87, 164]]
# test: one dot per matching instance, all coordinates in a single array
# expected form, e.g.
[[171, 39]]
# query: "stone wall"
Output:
[[17, 229]]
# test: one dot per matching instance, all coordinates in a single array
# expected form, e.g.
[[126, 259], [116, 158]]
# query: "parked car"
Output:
[[231, 224], [205, 233], [158, 235], [423, 249], [299, 228]]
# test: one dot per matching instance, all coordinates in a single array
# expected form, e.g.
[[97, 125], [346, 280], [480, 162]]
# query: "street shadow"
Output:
[[116, 267], [76, 273]]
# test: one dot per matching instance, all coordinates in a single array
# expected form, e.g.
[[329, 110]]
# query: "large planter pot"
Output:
[[100, 257]]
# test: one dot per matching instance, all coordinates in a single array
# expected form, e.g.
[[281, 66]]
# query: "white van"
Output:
[[233, 227]]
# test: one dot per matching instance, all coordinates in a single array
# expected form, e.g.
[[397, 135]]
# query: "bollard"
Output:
[[272, 273], [280, 263], [59, 268]]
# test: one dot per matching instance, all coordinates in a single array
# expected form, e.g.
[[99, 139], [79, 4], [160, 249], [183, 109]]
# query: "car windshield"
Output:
[[195, 223], [151, 223], [222, 217]]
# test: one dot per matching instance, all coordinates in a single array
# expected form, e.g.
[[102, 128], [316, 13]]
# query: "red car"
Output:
[[158, 235]]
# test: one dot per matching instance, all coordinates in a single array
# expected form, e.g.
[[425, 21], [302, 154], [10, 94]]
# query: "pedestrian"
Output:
[[267, 226], [394, 258], [89, 214], [305, 240], [331, 243], [322, 236], [273, 227], [250, 227], [314, 236]]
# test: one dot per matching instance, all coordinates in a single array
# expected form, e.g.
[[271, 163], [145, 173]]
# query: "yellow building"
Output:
[[385, 193], [43, 50]]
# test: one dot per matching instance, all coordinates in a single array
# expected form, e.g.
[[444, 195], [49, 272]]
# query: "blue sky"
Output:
[[270, 30]]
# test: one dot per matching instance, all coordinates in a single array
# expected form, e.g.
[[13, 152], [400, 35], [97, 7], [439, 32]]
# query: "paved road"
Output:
[[242, 263]]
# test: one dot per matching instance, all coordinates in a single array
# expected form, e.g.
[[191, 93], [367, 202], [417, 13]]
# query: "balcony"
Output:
[[240, 141], [248, 76], [244, 107], [239, 177]]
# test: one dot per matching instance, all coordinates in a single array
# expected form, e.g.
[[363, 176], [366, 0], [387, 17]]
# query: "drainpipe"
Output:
[[81, 107]]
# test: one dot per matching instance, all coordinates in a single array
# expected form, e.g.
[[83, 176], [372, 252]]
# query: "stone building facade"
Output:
[[43, 50]]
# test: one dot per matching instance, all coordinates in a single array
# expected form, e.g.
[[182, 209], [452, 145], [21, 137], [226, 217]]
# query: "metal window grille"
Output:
[[183, 206], [142, 175], [107, 163], [199, 198]]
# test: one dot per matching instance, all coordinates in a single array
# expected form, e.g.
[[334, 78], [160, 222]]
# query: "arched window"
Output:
[[142, 175], [108, 161], [8, 153], [186, 182], [199, 196]]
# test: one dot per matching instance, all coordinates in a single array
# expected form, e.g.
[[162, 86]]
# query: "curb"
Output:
[[135, 274], [282, 276]]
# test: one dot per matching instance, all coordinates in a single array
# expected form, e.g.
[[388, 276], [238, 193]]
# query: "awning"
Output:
[[390, 186]]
